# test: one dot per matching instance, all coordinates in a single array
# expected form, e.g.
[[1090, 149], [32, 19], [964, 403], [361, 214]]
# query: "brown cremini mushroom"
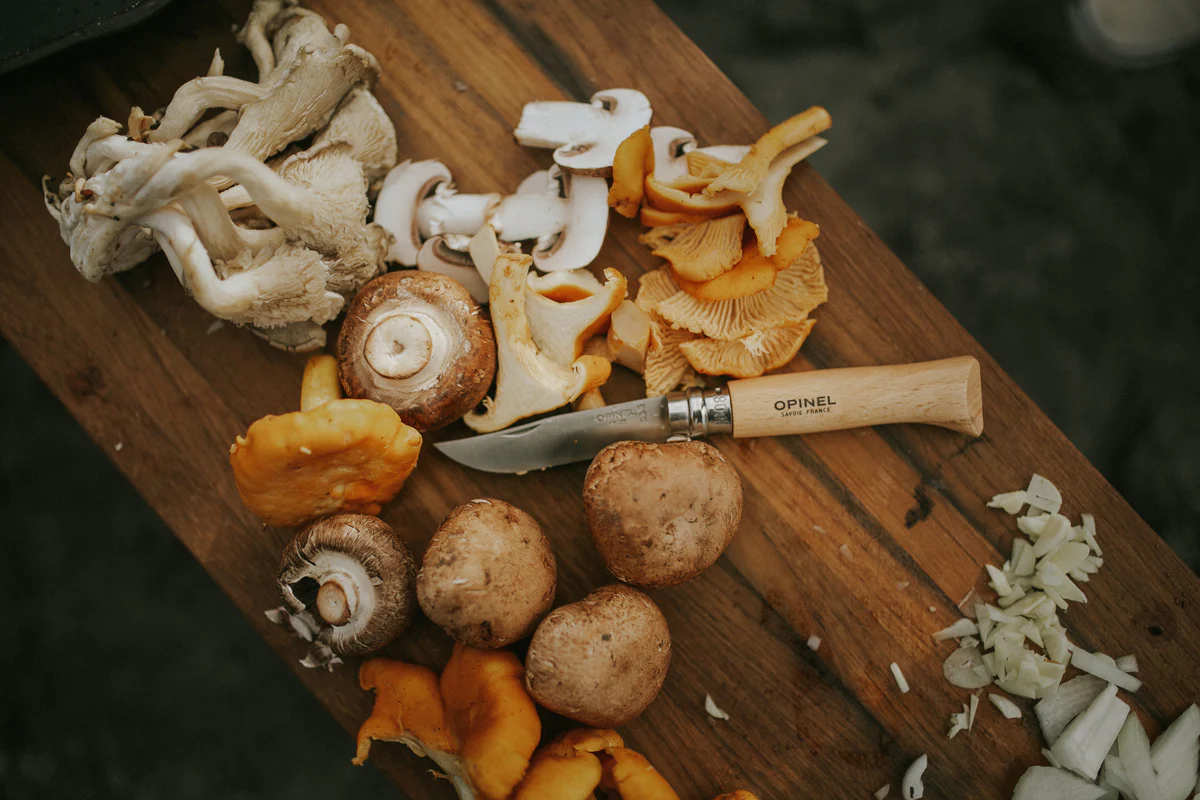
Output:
[[488, 574], [418, 342], [332, 455], [660, 514], [348, 586], [602, 660]]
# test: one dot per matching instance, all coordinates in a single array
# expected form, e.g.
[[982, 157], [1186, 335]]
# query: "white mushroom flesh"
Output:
[[581, 238], [396, 208], [409, 346], [585, 135], [354, 581]]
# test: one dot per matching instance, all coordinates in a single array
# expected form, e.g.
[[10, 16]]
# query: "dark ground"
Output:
[[1049, 202]]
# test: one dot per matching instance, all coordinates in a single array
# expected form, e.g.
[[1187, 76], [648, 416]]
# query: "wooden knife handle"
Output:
[[944, 393]]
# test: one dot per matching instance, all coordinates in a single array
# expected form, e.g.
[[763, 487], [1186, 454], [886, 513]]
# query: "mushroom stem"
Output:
[[199, 95], [399, 346], [320, 384], [451, 212], [332, 603], [216, 230]]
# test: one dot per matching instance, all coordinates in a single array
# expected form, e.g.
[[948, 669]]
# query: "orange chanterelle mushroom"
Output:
[[583, 761], [477, 723], [332, 455]]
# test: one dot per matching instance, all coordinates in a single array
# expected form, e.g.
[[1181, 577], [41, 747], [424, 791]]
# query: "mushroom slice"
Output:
[[702, 164], [764, 206], [631, 776], [449, 255], [476, 722], [705, 250], [361, 121], [633, 161], [354, 579], [418, 342], [651, 217], [493, 716], [798, 290], [560, 330], [585, 135], [747, 174], [674, 149], [527, 381], [749, 356], [565, 286], [629, 336], [665, 197], [568, 768], [579, 240], [396, 208], [332, 455]]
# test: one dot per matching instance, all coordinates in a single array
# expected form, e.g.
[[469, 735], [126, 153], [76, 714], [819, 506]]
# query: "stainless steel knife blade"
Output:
[[562, 439]]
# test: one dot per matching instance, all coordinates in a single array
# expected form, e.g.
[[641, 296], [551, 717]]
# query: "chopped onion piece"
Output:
[[1040, 783], [1069, 556], [962, 669], [882, 791], [1104, 668], [713, 710], [1056, 533], [813, 643], [1010, 502], [1175, 755], [1023, 559], [968, 641], [1050, 759], [964, 627], [958, 723], [1133, 747], [1056, 710], [1089, 532], [1079, 576], [911, 787], [1032, 526], [1085, 742], [1013, 596], [974, 707], [999, 582], [899, 676], [1043, 494], [1114, 776], [1127, 663]]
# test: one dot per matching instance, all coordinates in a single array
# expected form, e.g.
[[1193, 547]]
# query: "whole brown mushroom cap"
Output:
[[351, 581], [660, 514], [418, 342], [600, 661], [488, 574]]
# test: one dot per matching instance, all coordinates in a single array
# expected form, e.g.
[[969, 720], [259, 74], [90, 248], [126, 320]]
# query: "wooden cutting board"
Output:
[[866, 539]]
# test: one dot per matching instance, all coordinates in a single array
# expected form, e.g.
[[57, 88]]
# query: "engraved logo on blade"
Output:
[[619, 416]]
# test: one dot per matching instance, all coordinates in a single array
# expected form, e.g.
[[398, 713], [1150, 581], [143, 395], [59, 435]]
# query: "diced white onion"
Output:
[[713, 709], [1007, 707], [1060, 707], [1175, 755], [882, 791], [1043, 494], [1105, 669], [1127, 663], [1040, 783], [813, 643], [1086, 741], [899, 676], [964, 627], [911, 787], [1010, 502]]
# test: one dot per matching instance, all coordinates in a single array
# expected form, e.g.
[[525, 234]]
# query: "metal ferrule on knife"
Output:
[[693, 413]]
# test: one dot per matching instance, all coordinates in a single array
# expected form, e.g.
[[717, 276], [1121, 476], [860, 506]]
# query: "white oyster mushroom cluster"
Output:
[[259, 231]]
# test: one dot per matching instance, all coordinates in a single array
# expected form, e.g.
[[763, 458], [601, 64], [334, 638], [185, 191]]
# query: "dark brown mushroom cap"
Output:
[[602, 660], [363, 557], [488, 574], [418, 342]]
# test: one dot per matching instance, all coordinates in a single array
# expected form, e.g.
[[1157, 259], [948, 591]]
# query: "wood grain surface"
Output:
[[835, 523]]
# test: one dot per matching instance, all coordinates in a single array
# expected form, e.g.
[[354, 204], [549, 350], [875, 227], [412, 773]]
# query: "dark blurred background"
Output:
[[1051, 202]]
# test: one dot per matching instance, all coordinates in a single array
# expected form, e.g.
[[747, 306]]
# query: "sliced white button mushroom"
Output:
[[585, 136], [396, 209], [448, 254], [671, 146]]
